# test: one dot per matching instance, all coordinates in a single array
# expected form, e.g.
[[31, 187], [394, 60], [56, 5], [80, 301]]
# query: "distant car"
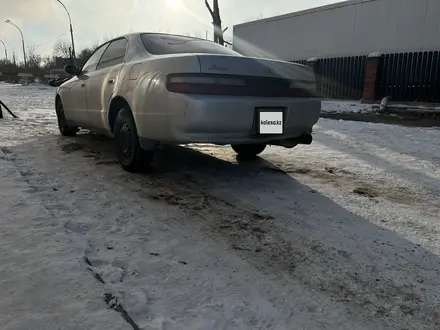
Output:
[[148, 88], [58, 81]]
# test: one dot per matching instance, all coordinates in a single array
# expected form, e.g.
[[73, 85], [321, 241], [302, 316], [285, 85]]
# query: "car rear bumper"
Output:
[[232, 120]]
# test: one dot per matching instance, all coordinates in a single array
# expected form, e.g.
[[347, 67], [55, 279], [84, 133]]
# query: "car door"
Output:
[[74, 101], [103, 82], [77, 96]]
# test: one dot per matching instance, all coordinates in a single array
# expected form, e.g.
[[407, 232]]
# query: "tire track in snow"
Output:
[[242, 226], [111, 300], [27, 173], [256, 239]]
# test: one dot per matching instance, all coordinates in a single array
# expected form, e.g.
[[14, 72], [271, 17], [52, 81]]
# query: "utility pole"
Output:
[[6, 50], [22, 42], [73, 56]]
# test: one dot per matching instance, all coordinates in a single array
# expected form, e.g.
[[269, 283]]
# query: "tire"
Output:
[[64, 128], [249, 150], [130, 154]]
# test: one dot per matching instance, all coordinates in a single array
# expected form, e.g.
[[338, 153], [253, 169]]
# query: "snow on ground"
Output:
[[420, 107], [345, 107], [342, 234], [43, 283]]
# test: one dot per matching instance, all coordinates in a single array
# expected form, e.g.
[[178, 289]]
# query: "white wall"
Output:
[[356, 27]]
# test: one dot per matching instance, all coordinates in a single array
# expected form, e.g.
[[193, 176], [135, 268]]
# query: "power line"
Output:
[[53, 39]]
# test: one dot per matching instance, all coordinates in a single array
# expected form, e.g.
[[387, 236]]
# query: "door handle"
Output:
[[83, 85], [111, 81]]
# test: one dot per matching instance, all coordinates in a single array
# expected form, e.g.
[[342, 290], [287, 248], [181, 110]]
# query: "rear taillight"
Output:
[[204, 84], [302, 88], [206, 80], [237, 86]]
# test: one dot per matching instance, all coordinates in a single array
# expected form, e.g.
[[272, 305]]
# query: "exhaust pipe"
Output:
[[304, 138]]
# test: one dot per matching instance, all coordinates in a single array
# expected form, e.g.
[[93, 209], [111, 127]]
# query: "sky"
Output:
[[44, 22]]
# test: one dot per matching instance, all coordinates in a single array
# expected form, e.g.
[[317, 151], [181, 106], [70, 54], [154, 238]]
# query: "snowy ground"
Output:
[[342, 234], [346, 107]]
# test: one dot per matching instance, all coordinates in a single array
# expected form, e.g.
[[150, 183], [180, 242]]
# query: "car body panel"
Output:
[[228, 120], [101, 87], [74, 99], [149, 98], [248, 66], [161, 115]]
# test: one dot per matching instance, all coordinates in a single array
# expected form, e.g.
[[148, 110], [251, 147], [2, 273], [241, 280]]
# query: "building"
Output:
[[359, 49], [349, 28]]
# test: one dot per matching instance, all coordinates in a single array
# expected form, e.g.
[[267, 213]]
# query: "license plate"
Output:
[[270, 121]]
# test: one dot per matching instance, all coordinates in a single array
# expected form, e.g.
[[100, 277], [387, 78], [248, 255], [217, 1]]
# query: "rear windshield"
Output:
[[163, 44]]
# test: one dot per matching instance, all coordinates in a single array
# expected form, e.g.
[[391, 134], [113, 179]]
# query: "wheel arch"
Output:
[[57, 101], [116, 104]]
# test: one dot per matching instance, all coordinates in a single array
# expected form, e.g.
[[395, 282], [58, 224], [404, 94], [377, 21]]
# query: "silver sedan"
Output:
[[147, 88]]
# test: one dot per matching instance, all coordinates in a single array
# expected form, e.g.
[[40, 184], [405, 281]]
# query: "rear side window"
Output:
[[163, 44], [114, 54]]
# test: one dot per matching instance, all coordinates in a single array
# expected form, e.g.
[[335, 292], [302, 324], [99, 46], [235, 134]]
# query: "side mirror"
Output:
[[71, 69]]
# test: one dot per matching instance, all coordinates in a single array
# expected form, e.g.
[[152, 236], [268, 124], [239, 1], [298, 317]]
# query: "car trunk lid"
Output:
[[257, 67]]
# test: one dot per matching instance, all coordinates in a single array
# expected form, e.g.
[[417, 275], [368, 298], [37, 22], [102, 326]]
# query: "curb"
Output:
[[409, 110], [386, 118]]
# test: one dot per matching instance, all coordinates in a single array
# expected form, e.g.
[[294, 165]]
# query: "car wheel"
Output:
[[64, 128], [130, 154], [248, 150]]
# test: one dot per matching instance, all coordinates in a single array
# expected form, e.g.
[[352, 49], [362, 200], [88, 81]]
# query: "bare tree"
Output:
[[49, 62], [33, 59], [216, 21], [62, 48]]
